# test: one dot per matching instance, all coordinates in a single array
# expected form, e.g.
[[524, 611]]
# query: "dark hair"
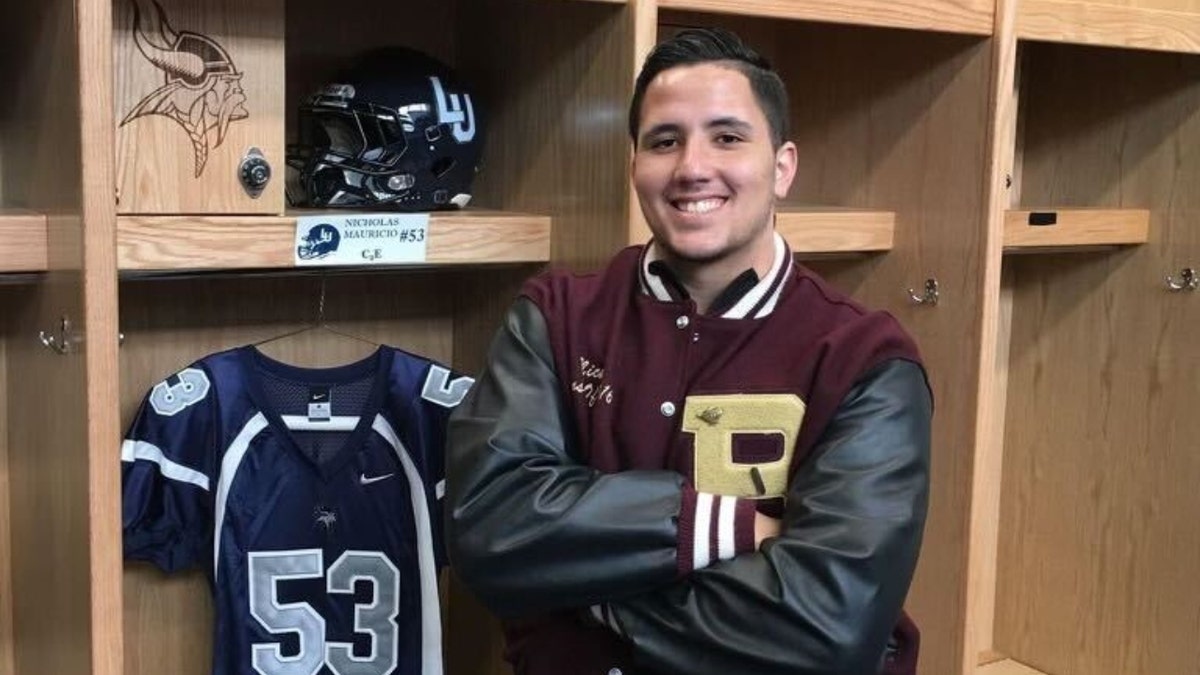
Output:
[[706, 45]]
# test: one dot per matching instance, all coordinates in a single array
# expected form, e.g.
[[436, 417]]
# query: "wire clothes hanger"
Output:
[[326, 422], [318, 324]]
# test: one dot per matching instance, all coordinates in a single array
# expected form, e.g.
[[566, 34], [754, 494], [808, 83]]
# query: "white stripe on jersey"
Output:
[[701, 534], [431, 622], [726, 545], [135, 450], [229, 466]]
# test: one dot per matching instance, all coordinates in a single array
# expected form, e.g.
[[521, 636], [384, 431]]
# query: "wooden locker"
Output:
[[1081, 523], [61, 560], [1097, 526], [198, 88], [553, 180]]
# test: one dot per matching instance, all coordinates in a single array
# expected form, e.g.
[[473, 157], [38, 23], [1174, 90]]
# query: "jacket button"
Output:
[[667, 408], [682, 322]]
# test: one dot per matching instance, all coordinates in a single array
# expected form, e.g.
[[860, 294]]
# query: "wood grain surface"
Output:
[[1076, 227], [1167, 25], [180, 139], [1006, 667], [822, 230], [22, 241], [1099, 545], [257, 242], [956, 16], [64, 488]]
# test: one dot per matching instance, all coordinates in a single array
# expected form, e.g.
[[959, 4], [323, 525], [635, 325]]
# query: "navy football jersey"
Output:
[[312, 498]]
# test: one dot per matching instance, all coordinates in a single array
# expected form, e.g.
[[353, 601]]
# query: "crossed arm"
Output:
[[531, 528]]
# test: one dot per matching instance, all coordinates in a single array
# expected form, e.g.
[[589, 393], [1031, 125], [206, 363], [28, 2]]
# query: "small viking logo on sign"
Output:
[[202, 91]]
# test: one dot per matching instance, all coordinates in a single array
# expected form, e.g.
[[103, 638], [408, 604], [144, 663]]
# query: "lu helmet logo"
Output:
[[322, 239], [454, 111]]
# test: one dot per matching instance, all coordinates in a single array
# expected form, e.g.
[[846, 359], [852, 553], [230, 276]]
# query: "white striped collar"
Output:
[[758, 301]]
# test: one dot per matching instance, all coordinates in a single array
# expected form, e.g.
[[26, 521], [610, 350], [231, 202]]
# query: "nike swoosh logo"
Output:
[[363, 479]]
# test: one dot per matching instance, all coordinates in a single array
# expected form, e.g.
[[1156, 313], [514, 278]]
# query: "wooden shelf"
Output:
[[1108, 25], [1074, 227], [22, 241], [950, 16], [154, 242], [814, 230], [1006, 667]]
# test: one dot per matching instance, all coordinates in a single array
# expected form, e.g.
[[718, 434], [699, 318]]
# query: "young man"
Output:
[[702, 459]]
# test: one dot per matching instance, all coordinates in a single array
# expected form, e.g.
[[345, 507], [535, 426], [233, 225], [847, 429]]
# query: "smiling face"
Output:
[[705, 169]]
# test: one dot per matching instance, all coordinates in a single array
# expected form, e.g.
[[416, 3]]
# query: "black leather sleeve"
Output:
[[822, 598], [529, 527]]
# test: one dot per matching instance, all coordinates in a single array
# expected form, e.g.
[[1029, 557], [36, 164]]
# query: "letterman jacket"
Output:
[[604, 471]]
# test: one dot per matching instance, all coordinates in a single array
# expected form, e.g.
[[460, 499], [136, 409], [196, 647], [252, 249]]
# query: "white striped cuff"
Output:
[[713, 534]]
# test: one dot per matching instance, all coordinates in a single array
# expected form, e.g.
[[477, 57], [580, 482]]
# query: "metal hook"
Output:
[[1188, 281], [929, 297], [61, 343]]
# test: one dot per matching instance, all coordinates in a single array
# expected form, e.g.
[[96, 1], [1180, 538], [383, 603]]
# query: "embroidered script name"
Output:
[[590, 384]]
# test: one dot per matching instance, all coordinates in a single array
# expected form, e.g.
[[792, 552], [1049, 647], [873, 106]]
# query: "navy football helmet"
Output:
[[321, 240], [397, 130]]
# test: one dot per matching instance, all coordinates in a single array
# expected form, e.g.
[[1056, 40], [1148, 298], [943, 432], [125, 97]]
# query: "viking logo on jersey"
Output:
[[326, 518]]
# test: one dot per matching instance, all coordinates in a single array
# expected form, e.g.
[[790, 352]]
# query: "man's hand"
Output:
[[765, 527]]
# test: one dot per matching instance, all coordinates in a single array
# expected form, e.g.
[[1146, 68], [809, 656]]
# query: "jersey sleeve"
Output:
[[441, 390], [167, 472]]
